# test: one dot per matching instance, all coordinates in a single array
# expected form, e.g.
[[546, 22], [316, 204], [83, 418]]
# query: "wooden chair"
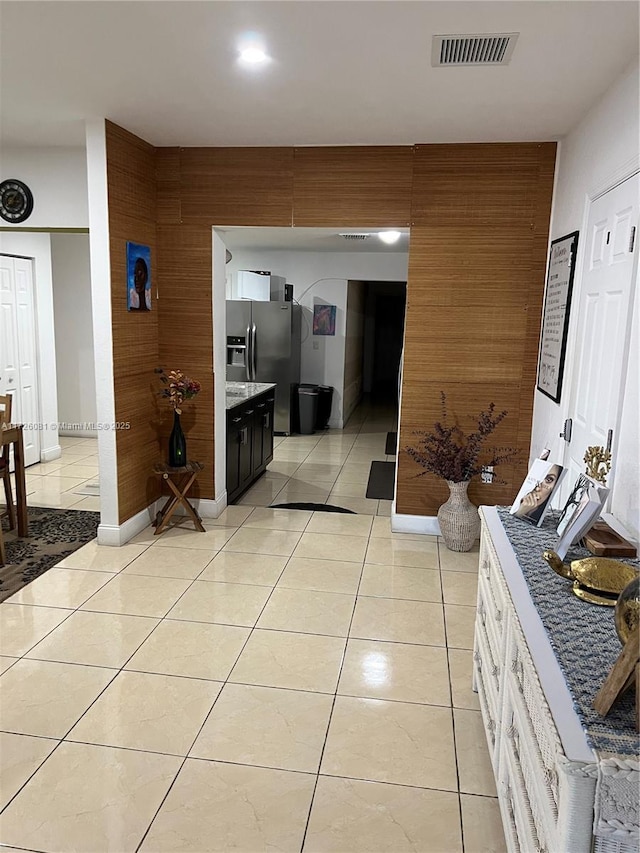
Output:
[[9, 511]]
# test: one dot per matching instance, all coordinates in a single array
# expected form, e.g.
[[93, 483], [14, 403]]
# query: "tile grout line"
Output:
[[335, 697], [204, 722]]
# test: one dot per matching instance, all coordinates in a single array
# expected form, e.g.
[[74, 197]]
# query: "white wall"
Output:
[[321, 278], [57, 177], [110, 531], [599, 152], [73, 332], [38, 246]]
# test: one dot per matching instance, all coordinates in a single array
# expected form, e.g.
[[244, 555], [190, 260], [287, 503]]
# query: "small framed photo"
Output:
[[580, 512], [138, 277], [324, 319], [533, 501]]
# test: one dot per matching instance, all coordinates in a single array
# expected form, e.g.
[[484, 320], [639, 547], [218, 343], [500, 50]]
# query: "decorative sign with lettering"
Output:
[[555, 318]]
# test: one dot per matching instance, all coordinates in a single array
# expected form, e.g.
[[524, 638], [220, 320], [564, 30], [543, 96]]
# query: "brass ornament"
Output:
[[598, 464], [596, 579]]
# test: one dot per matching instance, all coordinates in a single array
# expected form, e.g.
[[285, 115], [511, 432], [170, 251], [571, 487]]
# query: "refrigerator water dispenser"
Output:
[[236, 351]]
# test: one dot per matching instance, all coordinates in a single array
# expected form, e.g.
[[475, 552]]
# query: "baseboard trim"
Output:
[[51, 453], [78, 433], [119, 534], [427, 524], [210, 507]]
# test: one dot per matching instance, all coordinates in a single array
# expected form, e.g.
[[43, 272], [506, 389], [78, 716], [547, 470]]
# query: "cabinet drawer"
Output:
[[522, 832], [532, 719], [488, 656], [497, 595], [487, 697], [540, 783]]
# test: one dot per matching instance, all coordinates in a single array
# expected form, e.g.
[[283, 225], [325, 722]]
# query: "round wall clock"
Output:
[[16, 200]]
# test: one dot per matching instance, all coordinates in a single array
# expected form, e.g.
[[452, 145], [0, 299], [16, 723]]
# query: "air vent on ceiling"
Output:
[[477, 49], [355, 236]]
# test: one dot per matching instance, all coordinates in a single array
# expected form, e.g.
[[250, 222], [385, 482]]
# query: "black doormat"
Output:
[[381, 479], [391, 447], [53, 535], [313, 507]]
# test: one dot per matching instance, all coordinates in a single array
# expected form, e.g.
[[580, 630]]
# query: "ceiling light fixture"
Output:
[[253, 55], [389, 236], [251, 49]]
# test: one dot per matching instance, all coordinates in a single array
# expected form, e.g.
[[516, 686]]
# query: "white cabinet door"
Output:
[[605, 306], [18, 353]]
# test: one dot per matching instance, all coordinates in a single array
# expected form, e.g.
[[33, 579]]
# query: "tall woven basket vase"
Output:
[[458, 518]]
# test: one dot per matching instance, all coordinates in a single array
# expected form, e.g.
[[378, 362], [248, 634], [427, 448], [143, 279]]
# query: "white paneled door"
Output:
[[18, 353], [604, 322]]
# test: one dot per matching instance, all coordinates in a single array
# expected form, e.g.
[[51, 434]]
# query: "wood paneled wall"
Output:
[[351, 187], [479, 219], [131, 177], [185, 311], [236, 186]]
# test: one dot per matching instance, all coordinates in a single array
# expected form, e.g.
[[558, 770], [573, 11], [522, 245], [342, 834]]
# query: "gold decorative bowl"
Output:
[[594, 574]]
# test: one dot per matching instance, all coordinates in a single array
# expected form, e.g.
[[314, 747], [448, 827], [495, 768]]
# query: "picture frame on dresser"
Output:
[[580, 512], [555, 315]]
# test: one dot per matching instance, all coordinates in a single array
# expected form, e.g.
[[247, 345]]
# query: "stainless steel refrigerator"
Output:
[[263, 345]]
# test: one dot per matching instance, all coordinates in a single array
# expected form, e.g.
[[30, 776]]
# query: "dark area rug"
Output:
[[53, 535], [310, 507], [391, 447], [381, 479]]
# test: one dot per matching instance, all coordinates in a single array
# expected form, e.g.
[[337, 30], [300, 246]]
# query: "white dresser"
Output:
[[550, 782]]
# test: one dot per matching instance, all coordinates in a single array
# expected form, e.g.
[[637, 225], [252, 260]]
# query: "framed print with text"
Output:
[[555, 315]]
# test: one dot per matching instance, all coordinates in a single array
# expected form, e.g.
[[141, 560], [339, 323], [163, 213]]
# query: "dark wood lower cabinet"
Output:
[[249, 443]]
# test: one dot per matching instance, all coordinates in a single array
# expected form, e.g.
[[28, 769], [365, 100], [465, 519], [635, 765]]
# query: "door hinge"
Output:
[[632, 239]]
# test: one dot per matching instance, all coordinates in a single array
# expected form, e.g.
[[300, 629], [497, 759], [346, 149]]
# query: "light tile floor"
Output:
[[60, 483], [331, 466], [286, 681]]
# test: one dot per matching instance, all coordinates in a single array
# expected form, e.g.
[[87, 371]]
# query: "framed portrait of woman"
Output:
[[533, 501], [138, 277]]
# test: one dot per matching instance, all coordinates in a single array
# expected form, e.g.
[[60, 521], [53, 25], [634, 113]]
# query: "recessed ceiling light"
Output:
[[253, 55], [389, 236]]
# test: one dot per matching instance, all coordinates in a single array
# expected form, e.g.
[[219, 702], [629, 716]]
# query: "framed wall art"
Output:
[[138, 277], [324, 319], [555, 315]]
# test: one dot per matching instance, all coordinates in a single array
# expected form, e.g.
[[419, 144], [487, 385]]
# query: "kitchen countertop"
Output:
[[240, 392]]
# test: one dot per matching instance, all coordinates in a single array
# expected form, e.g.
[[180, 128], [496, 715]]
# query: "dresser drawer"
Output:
[[488, 655], [539, 783], [488, 696], [496, 593], [523, 833], [532, 719]]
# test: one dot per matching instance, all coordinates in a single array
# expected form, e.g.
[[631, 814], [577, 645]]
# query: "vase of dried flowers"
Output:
[[456, 456], [178, 388], [458, 518]]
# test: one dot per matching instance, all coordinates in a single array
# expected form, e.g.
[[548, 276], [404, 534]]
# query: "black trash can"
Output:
[[307, 408], [325, 400]]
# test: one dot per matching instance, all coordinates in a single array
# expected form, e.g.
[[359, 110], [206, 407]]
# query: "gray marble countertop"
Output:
[[240, 392]]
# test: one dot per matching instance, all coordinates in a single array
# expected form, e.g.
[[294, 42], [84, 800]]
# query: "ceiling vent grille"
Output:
[[355, 236], [482, 49]]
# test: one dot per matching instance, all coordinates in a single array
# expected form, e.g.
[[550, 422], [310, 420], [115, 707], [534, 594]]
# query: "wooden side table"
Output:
[[179, 481]]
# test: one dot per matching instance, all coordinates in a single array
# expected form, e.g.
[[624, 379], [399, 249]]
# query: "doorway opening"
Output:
[[358, 290]]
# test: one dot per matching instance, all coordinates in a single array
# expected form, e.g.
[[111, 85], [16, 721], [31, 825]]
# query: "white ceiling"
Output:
[[237, 238], [341, 72]]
